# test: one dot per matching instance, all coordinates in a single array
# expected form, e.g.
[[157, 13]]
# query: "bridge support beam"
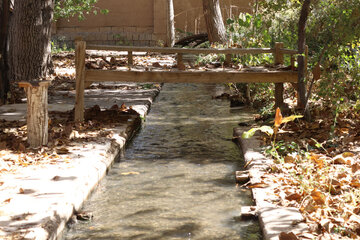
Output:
[[279, 87]]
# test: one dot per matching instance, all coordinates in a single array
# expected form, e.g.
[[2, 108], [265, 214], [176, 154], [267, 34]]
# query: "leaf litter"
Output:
[[63, 131], [321, 176]]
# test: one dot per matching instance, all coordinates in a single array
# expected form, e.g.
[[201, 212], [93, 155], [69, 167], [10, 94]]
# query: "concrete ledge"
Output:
[[273, 219], [37, 201]]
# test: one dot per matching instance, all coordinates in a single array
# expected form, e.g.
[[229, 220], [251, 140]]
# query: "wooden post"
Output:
[[130, 58], [279, 87], [227, 62], [179, 62], [279, 56], [37, 112], [80, 47]]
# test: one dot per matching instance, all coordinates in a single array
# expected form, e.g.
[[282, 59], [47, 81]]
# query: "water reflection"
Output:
[[185, 186]]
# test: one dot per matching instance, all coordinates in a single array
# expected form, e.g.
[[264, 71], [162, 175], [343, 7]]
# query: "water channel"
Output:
[[176, 180]]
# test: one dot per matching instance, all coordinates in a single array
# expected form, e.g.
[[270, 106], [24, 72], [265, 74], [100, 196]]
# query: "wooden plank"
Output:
[[179, 61], [279, 55], [228, 60], [288, 51], [80, 47], [130, 58], [181, 50], [178, 76]]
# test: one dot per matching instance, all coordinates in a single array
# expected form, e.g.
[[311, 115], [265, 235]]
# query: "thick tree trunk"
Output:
[[214, 21], [170, 41], [4, 27], [37, 113], [30, 32], [301, 58]]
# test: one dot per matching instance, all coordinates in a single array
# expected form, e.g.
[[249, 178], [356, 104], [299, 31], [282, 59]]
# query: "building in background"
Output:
[[140, 22]]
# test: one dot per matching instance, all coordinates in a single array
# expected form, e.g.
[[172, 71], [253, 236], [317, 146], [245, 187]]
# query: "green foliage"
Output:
[[121, 40], [56, 47], [265, 129], [277, 149], [333, 37], [79, 8]]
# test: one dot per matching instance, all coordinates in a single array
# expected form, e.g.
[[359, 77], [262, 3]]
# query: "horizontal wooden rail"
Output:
[[182, 50], [178, 76], [239, 51]]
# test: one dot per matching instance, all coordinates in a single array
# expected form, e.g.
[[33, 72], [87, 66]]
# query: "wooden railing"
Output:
[[84, 76]]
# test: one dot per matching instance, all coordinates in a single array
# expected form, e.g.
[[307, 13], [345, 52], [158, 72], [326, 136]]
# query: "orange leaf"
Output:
[[287, 236], [355, 183], [289, 159], [294, 196], [318, 197], [318, 160], [278, 118], [258, 185]]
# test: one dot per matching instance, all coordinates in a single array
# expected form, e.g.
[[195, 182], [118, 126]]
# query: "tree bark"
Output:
[[170, 41], [4, 27], [30, 33], [214, 21], [301, 48]]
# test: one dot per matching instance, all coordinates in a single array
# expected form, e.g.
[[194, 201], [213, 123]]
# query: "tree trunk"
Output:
[[37, 113], [30, 33], [170, 41], [214, 21], [301, 58], [4, 23]]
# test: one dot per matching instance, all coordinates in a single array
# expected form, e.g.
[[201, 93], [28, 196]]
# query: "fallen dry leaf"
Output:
[[348, 154], [258, 185], [339, 160], [288, 236], [289, 159], [293, 196], [62, 150], [156, 64], [318, 160], [355, 167], [318, 197], [130, 173], [355, 183]]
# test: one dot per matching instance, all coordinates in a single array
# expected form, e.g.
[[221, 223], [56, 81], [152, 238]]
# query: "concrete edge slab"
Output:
[[49, 220], [273, 219]]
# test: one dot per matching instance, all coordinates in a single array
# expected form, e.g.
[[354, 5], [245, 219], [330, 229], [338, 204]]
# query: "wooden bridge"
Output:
[[84, 77]]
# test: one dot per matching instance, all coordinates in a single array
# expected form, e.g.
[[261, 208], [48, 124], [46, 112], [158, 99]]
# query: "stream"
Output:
[[177, 178]]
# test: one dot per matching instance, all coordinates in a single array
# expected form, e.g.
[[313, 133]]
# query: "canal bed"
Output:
[[176, 180]]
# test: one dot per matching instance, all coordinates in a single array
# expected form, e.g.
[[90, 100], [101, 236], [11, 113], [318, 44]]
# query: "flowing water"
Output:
[[176, 180]]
